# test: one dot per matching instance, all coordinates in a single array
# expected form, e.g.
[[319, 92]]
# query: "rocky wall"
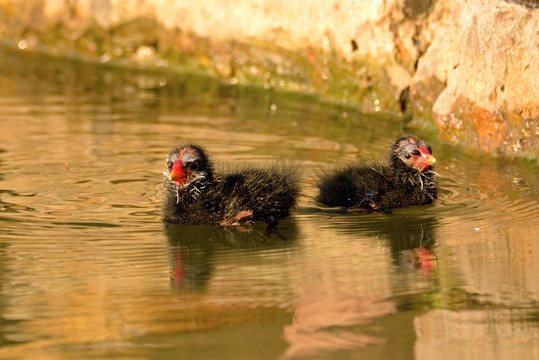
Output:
[[469, 67], [479, 77]]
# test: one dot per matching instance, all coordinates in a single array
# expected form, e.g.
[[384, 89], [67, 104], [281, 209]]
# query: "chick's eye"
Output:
[[193, 165], [407, 155], [169, 164]]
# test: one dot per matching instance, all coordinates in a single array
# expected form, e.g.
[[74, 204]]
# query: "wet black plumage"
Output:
[[195, 193], [406, 179]]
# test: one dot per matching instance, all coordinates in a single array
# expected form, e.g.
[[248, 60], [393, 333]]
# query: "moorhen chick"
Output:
[[407, 179], [196, 194]]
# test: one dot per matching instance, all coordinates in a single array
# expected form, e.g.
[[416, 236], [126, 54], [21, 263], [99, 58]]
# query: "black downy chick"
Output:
[[407, 179], [195, 194]]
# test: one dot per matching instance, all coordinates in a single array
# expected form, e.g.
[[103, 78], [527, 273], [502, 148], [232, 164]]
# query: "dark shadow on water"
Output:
[[193, 249]]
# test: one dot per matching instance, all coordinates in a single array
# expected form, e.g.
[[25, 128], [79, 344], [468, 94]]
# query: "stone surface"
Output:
[[487, 60], [470, 66], [343, 50]]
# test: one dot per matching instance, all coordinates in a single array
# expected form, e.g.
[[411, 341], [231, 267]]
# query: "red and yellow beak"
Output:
[[427, 159], [177, 173]]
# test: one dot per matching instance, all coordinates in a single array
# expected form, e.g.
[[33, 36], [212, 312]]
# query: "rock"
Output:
[[469, 66], [481, 70]]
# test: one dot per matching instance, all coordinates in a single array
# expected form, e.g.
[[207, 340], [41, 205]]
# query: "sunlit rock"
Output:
[[480, 75], [468, 66]]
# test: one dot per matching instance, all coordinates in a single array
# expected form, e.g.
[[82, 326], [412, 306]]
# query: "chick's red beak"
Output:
[[427, 159], [177, 174]]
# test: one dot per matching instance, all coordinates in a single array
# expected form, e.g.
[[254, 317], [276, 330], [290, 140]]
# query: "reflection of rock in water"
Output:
[[345, 286], [193, 247]]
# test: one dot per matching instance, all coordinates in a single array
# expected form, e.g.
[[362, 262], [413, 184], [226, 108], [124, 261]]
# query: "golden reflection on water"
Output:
[[87, 270], [334, 288]]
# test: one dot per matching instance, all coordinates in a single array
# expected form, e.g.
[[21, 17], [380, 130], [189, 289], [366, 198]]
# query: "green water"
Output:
[[88, 270]]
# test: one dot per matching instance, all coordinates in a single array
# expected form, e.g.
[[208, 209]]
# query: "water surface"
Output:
[[88, 270]]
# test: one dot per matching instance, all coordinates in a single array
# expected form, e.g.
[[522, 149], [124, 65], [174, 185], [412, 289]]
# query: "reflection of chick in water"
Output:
[[194, 248], [411, 240]]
